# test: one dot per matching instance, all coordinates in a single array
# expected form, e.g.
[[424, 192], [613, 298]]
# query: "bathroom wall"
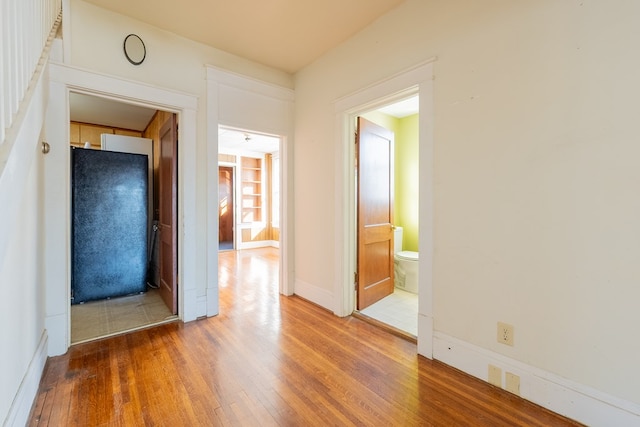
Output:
[[407, 183]]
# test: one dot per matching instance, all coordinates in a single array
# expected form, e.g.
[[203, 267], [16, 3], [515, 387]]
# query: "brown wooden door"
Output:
[[168, 198], [225, 204], [374, 148]]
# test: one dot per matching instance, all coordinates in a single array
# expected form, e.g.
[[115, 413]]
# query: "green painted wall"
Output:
[[406, 173], [406, 185]]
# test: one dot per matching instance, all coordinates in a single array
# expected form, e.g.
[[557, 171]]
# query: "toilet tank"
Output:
[[397, 240]]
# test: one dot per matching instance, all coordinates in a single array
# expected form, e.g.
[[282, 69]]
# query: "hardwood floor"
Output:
[[267, 360]]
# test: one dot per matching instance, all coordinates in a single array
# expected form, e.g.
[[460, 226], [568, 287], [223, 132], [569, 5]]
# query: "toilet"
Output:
[[405, 265]]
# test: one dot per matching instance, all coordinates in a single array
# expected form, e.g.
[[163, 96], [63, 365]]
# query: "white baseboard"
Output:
[[425, 339], [212, 303], [57, 328], [23, 402], [560, 395], [317, 295], [201, 306], [190, 306], [257, 244]]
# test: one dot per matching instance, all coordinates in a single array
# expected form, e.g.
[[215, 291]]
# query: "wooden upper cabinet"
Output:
[[74, 133], [127, 132], [80, 133], [230, 158], [91, 134]]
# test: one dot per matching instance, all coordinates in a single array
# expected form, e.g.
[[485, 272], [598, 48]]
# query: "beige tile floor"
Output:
[[400, 310], [99, 319]]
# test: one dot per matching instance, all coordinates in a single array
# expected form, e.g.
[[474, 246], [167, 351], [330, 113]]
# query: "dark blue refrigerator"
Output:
[[109, 224]]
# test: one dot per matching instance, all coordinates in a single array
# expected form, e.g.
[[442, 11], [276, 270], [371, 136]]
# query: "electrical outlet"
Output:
[[495, 376], [505, 333], [512, 383]]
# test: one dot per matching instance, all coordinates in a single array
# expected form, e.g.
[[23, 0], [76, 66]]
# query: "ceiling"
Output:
[[102, 111], [404, 108], [234, 141], [283, 34]]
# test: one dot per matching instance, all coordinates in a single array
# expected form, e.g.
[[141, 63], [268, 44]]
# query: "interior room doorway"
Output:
[[248, 192], [415, 80], [387, 206], [104, 126]]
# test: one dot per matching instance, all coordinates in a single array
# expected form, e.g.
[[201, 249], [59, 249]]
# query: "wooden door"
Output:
[[225, 205], [374, 151], [168, 198]]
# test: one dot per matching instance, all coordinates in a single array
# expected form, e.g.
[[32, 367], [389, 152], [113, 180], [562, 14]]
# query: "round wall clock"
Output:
[[134, 49]]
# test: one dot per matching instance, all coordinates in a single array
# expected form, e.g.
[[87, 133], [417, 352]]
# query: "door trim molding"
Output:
[[415, 80], [66, 78], [241, 102]]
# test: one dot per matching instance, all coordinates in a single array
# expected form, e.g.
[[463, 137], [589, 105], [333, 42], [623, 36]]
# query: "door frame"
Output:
[[239, 102], [65, 79], [417, 80]]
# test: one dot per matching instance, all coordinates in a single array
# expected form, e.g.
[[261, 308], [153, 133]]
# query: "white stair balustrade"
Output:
[[25, 26]]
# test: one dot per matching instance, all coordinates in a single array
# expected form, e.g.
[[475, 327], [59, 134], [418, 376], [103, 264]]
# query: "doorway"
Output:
[[248, 194], [57, 182], [416, 80], [110, 126], [387, 158]]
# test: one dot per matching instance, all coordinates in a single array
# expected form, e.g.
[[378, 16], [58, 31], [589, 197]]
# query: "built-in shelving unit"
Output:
[[251, 189]]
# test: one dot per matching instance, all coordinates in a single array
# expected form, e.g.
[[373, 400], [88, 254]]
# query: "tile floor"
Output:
[[99, 319], [400, 310]]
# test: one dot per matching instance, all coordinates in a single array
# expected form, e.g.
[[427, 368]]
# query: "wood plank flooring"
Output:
[[267, 360]]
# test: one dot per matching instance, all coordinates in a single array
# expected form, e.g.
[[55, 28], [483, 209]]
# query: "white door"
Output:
[[132, 144]]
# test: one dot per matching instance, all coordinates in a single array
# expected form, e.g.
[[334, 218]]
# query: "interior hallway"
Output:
[[267, 360]]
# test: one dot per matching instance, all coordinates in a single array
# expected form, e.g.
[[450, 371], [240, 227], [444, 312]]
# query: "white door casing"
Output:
[[63, 79], [417, 80], [241, 102]]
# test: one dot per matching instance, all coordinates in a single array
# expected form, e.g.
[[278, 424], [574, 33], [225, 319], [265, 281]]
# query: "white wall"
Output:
[[535, 174], [242, 102], [171, 62], [172, 78], [95, 36], [23, 337], [22, 290]]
